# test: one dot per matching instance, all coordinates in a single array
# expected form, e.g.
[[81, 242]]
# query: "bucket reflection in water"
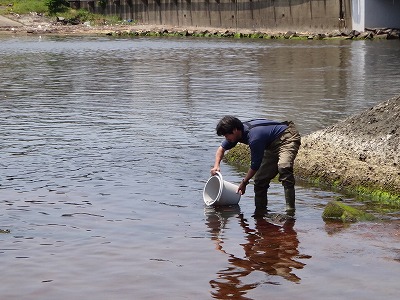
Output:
[[218, 191]]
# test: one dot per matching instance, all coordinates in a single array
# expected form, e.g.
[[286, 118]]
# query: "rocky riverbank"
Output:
[[39, 24], [360, 154]]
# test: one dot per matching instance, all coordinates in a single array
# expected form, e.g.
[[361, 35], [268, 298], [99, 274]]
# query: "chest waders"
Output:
[[268, 170]]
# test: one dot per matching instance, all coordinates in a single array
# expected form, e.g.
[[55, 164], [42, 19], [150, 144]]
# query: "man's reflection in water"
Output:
[[269, 247]]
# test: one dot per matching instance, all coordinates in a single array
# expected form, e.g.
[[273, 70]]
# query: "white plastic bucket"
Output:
[[217, 191]]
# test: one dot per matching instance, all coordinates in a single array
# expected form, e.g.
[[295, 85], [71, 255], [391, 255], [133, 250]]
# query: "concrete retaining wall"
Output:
[[375, 14], [274, 15], [382, 13]]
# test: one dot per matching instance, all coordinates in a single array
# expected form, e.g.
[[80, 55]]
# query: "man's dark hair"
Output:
[[227, 124]]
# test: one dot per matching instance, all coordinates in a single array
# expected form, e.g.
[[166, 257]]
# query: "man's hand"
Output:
[[215, 170], [245, 181], [242, 187]]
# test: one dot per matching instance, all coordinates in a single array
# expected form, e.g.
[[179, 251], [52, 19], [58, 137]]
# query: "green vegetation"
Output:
[[384, 197], [59, 8], [339, 211], [239, 156], [23, 6], [38, 6], [362, 193], [56, 6]]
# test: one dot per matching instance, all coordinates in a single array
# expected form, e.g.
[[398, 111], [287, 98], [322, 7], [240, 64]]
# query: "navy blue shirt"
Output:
[[258, 134]]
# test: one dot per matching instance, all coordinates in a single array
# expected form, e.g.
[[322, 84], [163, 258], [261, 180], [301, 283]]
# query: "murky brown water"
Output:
[[106, 145]]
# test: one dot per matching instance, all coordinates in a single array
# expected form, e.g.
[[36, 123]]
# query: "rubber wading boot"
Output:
[[290, 199], [261, 202]]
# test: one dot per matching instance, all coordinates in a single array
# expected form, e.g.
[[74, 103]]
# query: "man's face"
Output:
[[234, 136]]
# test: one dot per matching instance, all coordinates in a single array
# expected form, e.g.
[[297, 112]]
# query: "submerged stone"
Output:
[[336, 210]]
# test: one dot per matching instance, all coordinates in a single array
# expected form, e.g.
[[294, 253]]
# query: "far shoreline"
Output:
[[35, 24]]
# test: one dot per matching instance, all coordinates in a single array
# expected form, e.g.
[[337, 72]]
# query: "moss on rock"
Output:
[[336, 210], [239, 155]]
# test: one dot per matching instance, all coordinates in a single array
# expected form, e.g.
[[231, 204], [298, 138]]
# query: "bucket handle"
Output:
[[218, 174]]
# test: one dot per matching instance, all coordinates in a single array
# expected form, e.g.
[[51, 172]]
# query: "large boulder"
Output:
[[360, 154], [339, 211]]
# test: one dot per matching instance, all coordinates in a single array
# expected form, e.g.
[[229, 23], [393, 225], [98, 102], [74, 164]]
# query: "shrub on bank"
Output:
[[57, 6]]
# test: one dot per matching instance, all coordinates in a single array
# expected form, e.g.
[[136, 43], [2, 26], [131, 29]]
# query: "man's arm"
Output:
[[219, 155]]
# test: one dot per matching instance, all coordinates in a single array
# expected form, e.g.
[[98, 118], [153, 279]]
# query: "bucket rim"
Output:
[[221, 186]]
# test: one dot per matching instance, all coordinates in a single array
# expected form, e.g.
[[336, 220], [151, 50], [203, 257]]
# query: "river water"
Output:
[[106, 144]]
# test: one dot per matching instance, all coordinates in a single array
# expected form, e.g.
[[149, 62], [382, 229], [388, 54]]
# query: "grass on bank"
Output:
[[22, 7]]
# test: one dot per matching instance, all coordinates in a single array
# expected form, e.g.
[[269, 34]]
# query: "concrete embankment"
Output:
[[8, 23], [358, 155]]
